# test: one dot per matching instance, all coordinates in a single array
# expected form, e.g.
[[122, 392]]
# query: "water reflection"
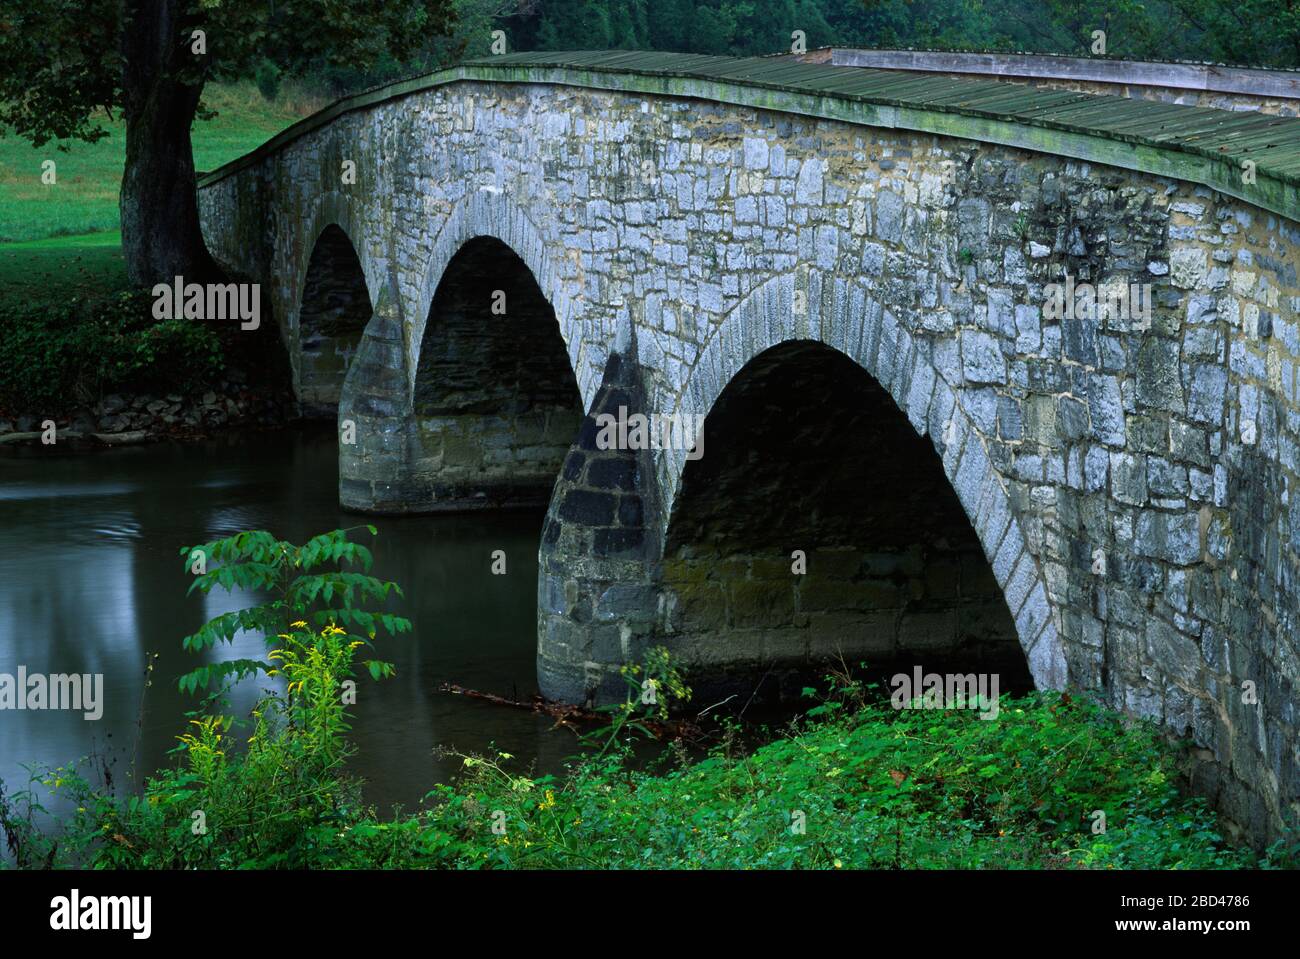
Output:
[[91, 580]]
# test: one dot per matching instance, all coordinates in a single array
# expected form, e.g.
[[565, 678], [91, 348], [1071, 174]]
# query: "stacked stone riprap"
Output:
[[715, 232]]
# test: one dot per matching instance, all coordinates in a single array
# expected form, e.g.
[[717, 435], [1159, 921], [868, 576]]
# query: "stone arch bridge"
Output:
[[907, 458]]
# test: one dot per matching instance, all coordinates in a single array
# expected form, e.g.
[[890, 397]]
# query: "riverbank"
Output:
[[1055, 783], [128, 419], [78, 347], [230, 402], [82, 351]]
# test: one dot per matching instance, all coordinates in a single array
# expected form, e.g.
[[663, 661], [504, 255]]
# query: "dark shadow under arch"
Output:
[[331, 319], [496, 405], [803, 450]]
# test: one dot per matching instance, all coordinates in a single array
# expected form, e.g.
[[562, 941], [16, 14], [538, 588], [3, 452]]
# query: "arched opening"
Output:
[[496, 403], [334, 313], [804, 451]]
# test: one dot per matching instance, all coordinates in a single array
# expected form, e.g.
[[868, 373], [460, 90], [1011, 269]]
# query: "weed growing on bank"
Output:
[[243, 796]]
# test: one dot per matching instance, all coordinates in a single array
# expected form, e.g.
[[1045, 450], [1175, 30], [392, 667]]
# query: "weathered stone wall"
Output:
[[688, 237], [597, 595]]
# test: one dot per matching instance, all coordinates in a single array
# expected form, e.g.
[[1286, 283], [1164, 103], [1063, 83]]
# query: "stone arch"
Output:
[[328, 212], [494, 404], [334, 307], [844, 316], [330, 209], [490, 213], [373, 414]]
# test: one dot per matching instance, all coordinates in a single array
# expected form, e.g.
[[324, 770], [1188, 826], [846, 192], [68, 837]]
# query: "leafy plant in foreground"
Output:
[[652, 686], [304, 589], [278, 796]]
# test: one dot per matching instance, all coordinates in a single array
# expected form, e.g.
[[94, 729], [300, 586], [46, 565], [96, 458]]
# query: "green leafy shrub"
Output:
[[263, 800], [274, 799], [302, 588], [58, 354], [267, 77]]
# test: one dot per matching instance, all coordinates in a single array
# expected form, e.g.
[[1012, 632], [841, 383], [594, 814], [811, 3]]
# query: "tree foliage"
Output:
[[1254, 32], [65, 66], [62, 66]]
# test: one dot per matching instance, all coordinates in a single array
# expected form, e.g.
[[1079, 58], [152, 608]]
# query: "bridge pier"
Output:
[[374, 412], [597, 593], [331, 319]]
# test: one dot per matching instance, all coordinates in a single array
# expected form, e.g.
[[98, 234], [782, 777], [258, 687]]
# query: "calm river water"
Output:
[[91, 581]]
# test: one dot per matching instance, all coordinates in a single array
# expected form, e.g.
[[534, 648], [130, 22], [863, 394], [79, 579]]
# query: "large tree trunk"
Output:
[[160, 218]]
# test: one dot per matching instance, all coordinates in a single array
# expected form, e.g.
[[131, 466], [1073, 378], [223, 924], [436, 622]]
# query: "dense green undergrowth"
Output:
[[62, 354], [72, 332], [869, 788], [1054, 781]]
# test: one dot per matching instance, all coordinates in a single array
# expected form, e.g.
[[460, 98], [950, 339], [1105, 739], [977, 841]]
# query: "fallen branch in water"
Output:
[[561, 712], [567, 715]]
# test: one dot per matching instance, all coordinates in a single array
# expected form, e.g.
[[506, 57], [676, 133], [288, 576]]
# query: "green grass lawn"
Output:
[[84, 197], [61, 267]]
